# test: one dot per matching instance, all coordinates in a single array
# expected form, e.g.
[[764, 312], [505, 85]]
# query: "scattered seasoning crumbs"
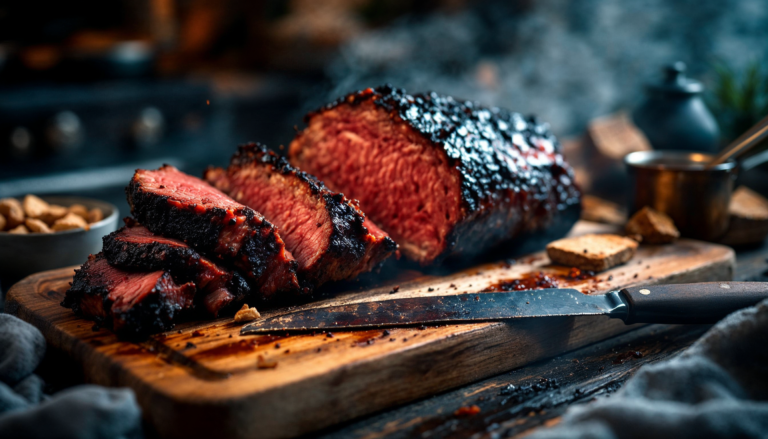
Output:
[[635, 276], [319, 349], [405, 339], [287, 351], [610, 278], [277, 345], [385, 333], [452, 286], [422, 327], [430, 289], [467, 411], [197, 333], [396, 288], [392, 339], [190, 345], [329, 335], [230, 335]]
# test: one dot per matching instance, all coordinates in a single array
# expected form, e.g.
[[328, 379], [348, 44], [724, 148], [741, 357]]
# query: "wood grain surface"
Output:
[[204, 379]]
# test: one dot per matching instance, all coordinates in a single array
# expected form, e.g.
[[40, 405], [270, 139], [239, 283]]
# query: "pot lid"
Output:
[[676, 82]]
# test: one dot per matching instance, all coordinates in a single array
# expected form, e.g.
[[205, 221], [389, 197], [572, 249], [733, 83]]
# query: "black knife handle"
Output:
[[705, 302]]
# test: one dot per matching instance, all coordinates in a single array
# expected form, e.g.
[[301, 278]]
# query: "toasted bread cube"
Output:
[[748, 204], [37, 226], [748, 212], [79, 210], [34, 207], [69, 222], [3, 222], [11, 209], [592, 252], [54, 212], [655, 227], [95, 215], [19, 230]]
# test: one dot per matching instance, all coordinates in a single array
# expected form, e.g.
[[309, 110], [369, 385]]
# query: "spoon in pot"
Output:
[[744, 143]]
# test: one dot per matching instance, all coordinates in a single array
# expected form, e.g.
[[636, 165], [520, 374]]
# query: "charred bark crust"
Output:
[[152, 315], [349, 240], [494, 152], [181, 261], [201, 228]]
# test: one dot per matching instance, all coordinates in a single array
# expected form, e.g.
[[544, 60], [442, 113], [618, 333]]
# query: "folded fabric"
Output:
[[718, 388], [87, 412]]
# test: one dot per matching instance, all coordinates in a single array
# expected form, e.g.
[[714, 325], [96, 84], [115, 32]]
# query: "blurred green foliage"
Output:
[[739, 99]]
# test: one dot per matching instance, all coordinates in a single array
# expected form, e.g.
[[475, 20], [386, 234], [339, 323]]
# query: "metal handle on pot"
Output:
[[742, 144]]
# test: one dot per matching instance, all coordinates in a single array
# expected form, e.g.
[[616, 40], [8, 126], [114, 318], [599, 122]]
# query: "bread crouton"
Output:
[[655, 227], [592, 252]]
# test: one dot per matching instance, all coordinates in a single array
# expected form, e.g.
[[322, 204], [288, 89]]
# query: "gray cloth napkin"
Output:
[[718, 388], [82, 412]]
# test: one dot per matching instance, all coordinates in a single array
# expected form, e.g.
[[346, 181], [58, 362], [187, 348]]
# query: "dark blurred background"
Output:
[[91, 90]]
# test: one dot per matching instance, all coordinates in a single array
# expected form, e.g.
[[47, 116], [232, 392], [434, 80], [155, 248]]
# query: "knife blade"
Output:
[[677, 303]]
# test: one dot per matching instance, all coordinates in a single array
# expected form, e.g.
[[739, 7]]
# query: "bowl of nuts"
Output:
[[43, 233]]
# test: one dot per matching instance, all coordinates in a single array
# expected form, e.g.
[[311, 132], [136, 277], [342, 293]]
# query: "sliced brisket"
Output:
[[326, 232], [443, 177], [135, 248], [173, 204], [130, 303]]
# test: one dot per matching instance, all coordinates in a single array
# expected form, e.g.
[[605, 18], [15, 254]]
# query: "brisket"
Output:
[[130, 303], [443, 177], [326, 232], [173, 204], [135, 248]]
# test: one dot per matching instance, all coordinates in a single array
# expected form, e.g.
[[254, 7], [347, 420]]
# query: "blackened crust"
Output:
[[181, 261], [261, 255], [491, 148], [151, 315], [350, 244]]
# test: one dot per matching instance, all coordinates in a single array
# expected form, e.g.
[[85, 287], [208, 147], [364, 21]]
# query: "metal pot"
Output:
[[678, 184]]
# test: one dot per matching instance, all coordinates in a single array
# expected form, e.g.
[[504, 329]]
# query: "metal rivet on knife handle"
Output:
[[644, 292]]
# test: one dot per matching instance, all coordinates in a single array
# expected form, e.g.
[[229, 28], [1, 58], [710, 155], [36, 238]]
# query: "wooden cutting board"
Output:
[[205, 380]]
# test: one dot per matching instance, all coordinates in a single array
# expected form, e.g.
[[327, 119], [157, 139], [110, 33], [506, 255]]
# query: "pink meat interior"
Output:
[[287, 202], [210, 276], [404, 183], [185, 190], [142, 235], [169, 181], [127, 289]]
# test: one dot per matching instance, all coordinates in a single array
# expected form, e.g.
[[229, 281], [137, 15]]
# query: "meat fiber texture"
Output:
[[444, 177], [130, 303], [176, 205], [135, 248], [326, 232]]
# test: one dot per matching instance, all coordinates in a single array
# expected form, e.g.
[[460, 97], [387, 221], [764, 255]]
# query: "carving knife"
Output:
[[677, 303]]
